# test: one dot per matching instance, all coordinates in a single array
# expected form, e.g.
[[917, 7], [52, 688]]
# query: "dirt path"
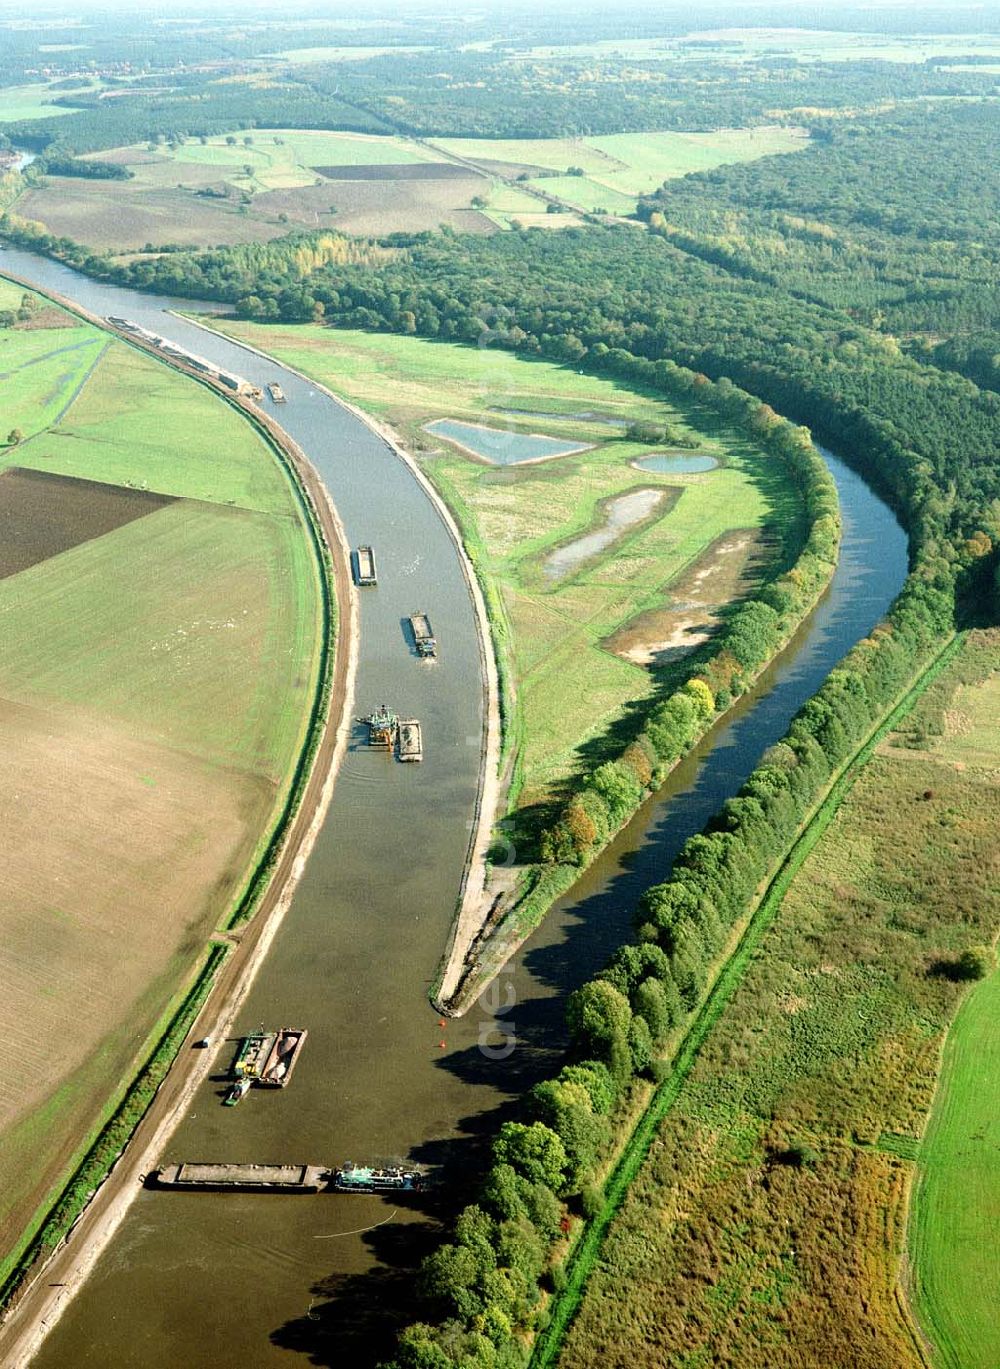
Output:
[[53, 1283]]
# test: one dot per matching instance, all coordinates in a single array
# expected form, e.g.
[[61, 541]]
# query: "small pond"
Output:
[[501, 447], [620, 514], [676, 463]]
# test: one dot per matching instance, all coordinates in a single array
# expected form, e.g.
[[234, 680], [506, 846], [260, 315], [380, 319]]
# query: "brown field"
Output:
[[42, 514], [372, 208], [118, 853], [103, 215], [395, 171], [723, 574], [164, 206]]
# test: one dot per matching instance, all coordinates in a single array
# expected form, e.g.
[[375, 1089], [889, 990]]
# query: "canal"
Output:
[[239, 1280]]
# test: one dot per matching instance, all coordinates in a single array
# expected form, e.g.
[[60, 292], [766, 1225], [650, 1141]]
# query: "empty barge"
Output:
[[243, 1178], [365, 571], [410, 746]]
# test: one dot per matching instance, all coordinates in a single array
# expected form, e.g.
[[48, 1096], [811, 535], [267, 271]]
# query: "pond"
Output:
[[676, 463], [620, 514], [501, 447]]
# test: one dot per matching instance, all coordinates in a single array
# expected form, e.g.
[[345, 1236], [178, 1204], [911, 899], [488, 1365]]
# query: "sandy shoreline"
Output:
[[53, 1282]]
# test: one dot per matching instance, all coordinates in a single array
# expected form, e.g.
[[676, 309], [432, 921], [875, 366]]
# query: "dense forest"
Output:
[[892, 217]]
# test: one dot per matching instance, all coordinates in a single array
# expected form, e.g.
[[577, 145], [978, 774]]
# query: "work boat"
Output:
[[352, 1178]]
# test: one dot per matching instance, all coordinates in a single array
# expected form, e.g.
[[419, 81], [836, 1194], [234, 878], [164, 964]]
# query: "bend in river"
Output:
[[239, 1279]]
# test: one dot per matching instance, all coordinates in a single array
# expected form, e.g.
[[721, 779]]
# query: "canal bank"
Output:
[[263, 1279]]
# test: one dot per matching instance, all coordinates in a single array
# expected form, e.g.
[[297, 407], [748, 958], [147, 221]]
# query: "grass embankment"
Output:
[[157, 691], [573, 693], [757, 1213]]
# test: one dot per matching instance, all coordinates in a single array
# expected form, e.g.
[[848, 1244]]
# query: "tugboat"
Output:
[[352, 1178], [420, 625], [239, 1090], [382, 726]]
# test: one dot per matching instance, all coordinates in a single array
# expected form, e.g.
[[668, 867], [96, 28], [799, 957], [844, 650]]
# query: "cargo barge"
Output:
[[352, 1178], [170, 349], [365, 572], [410, 746], [423, 636], [282, 1058], [242, 1178], [276, 392]]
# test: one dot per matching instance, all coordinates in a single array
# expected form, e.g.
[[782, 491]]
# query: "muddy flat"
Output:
[[726, 571], [42, 514]]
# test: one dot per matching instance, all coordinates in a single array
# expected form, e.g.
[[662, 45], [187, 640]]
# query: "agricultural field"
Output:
[[29, 102], [767, 1226], [161, 616], [251, 187], [619, 168], [529, 526]]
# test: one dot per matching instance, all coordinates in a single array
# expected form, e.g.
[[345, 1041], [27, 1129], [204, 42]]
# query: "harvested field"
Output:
[[42, 514], [725, 572], [103, 214], [118, 854], [402, 171], [374, 207]]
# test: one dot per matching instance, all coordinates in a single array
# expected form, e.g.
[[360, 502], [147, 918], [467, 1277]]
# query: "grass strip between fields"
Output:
[[587, 1248], [116, 1131]]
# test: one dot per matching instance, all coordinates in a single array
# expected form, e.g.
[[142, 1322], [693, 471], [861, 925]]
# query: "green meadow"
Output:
[[572, 690]]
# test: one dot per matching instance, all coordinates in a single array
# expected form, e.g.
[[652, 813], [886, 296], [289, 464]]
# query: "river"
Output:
[[236, 1280]]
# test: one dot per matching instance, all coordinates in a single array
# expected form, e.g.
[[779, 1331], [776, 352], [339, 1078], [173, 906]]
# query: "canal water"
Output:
[[232, 1281]]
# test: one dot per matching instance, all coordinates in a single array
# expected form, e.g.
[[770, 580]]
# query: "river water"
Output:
[[233, 1281]]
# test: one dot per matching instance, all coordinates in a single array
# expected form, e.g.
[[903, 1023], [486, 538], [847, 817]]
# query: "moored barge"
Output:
[[410, 746], [365, 566], [282, 1058], [243, 1178]]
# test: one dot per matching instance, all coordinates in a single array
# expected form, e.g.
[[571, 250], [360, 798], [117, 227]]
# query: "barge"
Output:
[[423, 636], [242, 1178], [365, 572], [282, 1058], [276, 392], [254, 1052], [236, 383], [382, 727], [410, 746], [352, 1178]]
